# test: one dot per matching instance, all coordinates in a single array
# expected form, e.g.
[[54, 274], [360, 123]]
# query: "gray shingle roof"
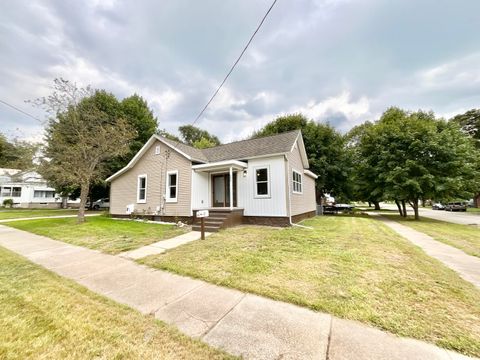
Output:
[[275, 144]]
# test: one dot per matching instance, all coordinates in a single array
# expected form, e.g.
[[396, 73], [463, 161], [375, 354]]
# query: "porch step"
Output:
[[219, 219]]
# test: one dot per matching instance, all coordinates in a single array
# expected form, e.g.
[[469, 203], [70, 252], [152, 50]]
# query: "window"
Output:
[[16, 191], [157, 150], [142, 189], [43, 194], [172, 186], [261, 182], [297, 182], [6, 191]]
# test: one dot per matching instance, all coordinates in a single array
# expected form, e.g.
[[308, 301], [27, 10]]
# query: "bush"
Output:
[[8, 203]]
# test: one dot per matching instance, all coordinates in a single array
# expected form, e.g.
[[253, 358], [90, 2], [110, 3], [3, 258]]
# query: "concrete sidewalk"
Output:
[[242, 324], [467, 266], [45, 217], [163, 245]]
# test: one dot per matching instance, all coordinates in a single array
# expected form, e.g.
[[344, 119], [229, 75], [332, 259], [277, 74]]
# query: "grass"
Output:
[[6, 214], [473, 210], [99, 232], [44, 316], [350, 266], [464, 237]]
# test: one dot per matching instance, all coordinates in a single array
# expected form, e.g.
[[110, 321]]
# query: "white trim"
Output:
[[168, 199], [140, 153], [311, 174], [297, 182], [264, 156], [141, 201], [237, 165], [255, 188]]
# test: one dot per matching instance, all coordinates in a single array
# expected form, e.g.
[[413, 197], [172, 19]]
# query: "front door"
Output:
[[221, 190]]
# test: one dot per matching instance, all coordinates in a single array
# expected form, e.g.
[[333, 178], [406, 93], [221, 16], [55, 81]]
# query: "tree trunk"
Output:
[[369, 204], [83, 200], [377, 205], [423, 202], [399, 207], [404, 207], [415, 208]]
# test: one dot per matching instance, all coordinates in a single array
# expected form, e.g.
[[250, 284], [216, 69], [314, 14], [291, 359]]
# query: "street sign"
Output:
[[202, 213]]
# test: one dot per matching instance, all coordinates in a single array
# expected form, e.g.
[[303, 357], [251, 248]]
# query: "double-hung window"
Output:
[[262, 182], [297, 182], [172, 186], [142, 189]]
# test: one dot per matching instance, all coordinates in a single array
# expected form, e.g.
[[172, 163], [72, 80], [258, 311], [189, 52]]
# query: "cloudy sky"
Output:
[[341, 61]]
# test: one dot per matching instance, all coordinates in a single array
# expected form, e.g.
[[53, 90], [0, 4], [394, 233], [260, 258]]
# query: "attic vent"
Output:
[[157, 150]]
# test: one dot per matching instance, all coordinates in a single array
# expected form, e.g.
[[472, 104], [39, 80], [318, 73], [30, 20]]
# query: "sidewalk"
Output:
[[45, 217], [163, 245], [467, 266], [242, 324]]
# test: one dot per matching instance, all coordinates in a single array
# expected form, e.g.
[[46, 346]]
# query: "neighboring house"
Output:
[[258, 181], [27, 189]]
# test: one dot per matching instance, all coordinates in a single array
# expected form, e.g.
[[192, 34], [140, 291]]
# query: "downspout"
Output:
[[288, 192], [231, 188]]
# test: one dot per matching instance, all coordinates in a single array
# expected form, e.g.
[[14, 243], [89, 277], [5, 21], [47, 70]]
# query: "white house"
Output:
[[257, 181], [27, 189]]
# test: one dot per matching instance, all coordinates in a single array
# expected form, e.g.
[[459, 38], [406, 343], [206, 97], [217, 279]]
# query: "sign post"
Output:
[[202, 214]]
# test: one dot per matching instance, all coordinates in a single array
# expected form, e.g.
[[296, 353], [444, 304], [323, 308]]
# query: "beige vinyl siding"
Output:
[[124, 188], [305, 202]]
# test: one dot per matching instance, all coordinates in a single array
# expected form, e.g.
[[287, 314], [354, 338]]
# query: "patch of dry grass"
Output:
[[44, 316], [350, 266]]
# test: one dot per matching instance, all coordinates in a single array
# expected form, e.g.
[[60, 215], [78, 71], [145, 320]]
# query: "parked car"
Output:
[[456, 206], [101, 204], [438, 206]]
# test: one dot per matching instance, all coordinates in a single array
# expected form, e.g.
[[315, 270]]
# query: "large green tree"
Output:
[[83, 133], [325, 149], [196, 137], [413, 155], [17, 154]]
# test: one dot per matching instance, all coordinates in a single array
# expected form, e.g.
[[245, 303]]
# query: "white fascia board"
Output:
[[311, 174], [144, 148], [264, 156], [215, 165]]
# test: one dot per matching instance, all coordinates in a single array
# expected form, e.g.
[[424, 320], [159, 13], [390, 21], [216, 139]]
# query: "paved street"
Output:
[[463, 218], [243, 324]]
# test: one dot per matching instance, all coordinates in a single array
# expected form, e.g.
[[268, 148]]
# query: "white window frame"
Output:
[[142, 201], [255, 190], [157, 150], [168, 185], [300, 183]]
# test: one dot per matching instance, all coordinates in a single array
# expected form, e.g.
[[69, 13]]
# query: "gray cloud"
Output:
[[342, 61]]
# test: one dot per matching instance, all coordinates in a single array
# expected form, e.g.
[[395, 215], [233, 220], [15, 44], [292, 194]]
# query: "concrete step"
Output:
[[207, 229]]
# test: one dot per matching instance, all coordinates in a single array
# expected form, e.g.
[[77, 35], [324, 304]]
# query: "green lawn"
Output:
[[99, 232], [32, 213], [350, 266], [44, 316], [464, 237]]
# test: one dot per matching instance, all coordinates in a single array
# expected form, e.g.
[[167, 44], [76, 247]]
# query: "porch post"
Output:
[[231, 188]]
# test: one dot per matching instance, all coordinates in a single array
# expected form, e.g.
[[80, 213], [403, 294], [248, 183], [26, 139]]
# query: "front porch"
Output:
[[219, 218]]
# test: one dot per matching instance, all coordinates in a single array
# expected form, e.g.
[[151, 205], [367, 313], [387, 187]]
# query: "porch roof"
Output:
[[221, 165]]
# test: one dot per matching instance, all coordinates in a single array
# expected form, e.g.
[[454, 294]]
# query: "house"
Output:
[[258, 181], [27, 189]]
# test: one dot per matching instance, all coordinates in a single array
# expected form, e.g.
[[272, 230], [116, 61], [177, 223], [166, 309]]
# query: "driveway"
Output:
[[463, 218]]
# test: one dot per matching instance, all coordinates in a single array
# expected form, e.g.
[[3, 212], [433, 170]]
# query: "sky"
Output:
[[336, 61]]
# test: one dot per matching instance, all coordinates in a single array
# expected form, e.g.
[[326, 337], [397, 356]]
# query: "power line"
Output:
[[20, 110], [235, 63]]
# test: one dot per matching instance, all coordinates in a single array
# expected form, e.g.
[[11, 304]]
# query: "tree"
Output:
[[192, 134], [203, 143], [81, 137], [325, 149], [470, 123], [17, 154], [413, 156]]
